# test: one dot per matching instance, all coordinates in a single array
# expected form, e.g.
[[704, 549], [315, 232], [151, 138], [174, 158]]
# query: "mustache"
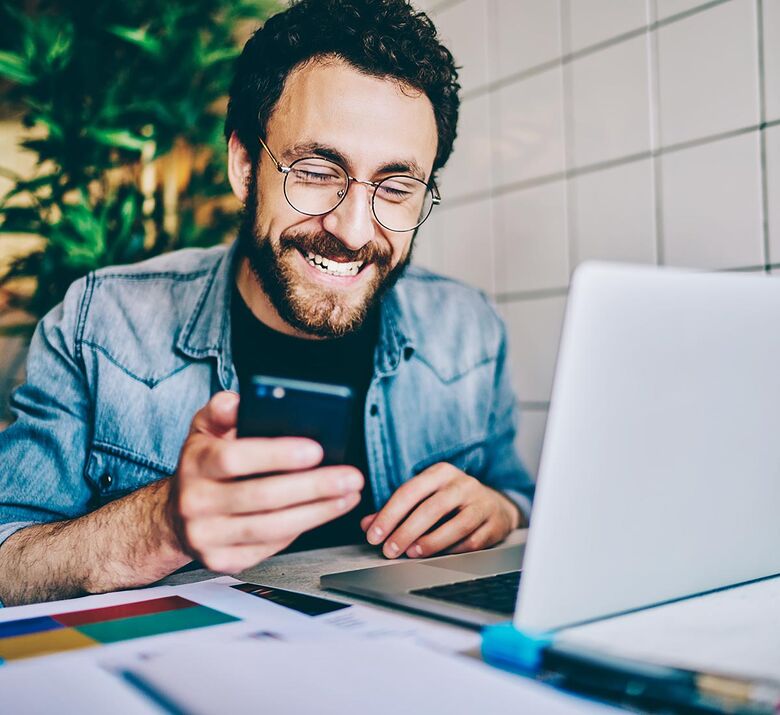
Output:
[[326, 244]]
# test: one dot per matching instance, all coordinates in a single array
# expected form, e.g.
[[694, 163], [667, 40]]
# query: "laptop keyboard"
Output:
[[492, 593]]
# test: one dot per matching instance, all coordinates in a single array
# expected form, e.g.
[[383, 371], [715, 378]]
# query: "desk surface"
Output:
[[301, 571]]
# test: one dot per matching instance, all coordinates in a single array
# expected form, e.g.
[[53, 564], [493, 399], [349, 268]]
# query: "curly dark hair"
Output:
[[382, 38]]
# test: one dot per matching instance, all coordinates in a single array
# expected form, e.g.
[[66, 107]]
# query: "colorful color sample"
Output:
[[45, 635]]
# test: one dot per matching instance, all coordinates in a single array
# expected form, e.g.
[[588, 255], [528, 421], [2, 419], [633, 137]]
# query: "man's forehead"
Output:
[[368, 121]]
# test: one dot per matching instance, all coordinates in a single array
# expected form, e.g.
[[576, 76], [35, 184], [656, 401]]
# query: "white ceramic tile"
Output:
[[667, 8], [613, 214], [529, 128], [712, 205], [427, 6], [463, 30], [594, 21], [531, 244], [468, 170], [466, 244], [772, 58], [610, 103], [773, 191], [426, 243], [708, 72], [524, 34], [530, 436], [534, 333]]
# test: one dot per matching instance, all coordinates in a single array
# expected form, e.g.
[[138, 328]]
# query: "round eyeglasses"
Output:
[[315, 186]]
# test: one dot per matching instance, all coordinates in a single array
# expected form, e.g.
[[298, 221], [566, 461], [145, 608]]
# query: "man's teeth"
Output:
[[333, 267]]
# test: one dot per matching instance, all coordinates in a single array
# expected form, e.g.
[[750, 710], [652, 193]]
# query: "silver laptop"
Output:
[[660, 473]]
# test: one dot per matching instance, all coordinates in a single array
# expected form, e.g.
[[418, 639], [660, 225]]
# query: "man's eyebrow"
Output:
[[407, 166]]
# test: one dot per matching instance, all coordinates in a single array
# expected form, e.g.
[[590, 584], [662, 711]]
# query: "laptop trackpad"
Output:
[[482, 563]]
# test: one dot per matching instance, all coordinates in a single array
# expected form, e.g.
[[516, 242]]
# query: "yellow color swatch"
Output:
[[55, 641]]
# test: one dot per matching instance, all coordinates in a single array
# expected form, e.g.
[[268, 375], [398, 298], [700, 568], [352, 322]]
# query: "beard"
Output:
[[305, 305]]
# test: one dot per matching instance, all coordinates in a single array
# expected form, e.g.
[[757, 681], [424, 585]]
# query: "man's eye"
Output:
[[318, 176]]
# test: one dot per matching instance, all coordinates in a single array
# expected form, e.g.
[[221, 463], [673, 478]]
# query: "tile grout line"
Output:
[[654, 67], [762, 135], [570, 190]]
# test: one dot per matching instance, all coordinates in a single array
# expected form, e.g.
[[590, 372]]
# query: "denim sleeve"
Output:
[[504, 470], [43, 452]]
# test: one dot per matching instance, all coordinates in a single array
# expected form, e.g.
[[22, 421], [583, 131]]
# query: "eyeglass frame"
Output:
[[285, 170]]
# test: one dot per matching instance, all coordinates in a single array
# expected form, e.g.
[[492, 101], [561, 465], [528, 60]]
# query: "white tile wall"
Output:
[[773, 191], [534, 333], [470, 168], [526, 33], [772, 58], [465, 244], [613, 214], [530, 239], [530, 434], [528, 134], [463, 27], [712, 214], [667, 8], [708, 72], [610, 93], [594, 21]]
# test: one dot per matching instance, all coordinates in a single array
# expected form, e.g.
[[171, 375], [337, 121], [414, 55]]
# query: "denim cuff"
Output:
[[521, 501]]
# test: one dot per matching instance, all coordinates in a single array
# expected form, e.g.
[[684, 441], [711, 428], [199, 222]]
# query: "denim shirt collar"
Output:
[[206, 334]]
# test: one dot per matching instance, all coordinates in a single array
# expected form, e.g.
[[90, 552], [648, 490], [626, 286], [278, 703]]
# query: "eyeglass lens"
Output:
[[316, 186]]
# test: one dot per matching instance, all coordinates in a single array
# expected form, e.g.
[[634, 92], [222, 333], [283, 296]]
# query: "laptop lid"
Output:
[[660, 471]]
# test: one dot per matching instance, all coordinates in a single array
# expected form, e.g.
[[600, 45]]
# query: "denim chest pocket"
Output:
[[112, 474]]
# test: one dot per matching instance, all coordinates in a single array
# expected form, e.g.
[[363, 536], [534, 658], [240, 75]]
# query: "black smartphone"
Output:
[[276, 407]]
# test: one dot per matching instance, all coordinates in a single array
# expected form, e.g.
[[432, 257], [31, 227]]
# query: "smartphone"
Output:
[[276, 407]]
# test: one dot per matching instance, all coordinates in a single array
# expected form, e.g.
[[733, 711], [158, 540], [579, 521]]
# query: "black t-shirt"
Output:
[[260, 350]]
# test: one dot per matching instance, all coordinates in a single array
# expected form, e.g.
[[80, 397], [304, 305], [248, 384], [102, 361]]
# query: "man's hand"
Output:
[[466, 514], [230, 522]]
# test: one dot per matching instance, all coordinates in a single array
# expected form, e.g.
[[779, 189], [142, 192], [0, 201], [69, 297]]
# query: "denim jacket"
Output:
[[116, 372]]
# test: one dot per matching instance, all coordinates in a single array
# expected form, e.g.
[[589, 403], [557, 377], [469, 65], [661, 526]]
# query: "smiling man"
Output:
[[123, 463]]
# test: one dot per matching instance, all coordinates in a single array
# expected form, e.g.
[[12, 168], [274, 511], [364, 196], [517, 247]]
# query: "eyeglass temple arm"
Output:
[[281, 168]]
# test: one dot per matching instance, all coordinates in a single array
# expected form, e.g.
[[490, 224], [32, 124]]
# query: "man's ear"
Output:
[[239, 167]]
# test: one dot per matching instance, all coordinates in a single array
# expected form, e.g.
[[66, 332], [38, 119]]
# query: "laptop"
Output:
[[660, 472]]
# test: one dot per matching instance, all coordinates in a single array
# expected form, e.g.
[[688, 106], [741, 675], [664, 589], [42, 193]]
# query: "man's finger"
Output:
[[431, 511], [448, 534], [487, 535], [225, 459], [218, 416], [405, 498], [250, 496], [367, 520], [256, 529]]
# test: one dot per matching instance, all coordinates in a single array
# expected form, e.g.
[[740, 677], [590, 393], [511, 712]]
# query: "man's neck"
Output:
[[258, 302]]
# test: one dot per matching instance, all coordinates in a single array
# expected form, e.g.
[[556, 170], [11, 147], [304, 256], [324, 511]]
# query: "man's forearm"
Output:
[[124, 544]]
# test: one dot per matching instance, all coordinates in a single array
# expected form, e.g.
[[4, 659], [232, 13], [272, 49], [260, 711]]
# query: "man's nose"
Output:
[[352, 221]]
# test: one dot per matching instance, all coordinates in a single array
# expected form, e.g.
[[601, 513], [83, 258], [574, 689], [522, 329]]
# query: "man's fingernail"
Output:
[[392, 548], [375, 535], [417, 550], [351, 482], [309, 451]]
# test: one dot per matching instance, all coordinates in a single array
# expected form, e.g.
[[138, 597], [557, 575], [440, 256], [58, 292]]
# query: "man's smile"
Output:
[[333, 272]]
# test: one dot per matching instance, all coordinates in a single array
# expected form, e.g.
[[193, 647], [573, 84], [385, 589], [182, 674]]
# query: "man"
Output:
[[341, 113]]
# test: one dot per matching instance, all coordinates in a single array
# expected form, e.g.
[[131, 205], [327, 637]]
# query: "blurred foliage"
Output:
[[124, 104]]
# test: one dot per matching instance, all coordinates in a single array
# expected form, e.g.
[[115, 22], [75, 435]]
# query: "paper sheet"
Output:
[[381, 677], [38, 688], [734, 631]]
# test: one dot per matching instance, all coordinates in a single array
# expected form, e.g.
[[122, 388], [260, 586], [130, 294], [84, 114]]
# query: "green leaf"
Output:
[[223, 55], [15, 68], [119, 138], [139, 37]]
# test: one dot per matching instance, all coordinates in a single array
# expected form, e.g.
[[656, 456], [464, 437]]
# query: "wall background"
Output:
[[633, 130]]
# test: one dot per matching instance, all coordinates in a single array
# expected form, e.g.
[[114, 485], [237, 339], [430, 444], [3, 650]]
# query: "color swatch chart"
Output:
[[62, 632]]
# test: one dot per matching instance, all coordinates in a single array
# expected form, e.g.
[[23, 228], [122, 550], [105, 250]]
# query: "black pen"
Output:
[[633, 681]]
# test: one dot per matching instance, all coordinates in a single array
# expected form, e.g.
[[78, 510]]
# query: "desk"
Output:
[[301, 571]]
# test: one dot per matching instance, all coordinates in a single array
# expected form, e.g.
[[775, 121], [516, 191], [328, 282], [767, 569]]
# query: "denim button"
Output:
[[105, 481], [374, 410], [408, 352]]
